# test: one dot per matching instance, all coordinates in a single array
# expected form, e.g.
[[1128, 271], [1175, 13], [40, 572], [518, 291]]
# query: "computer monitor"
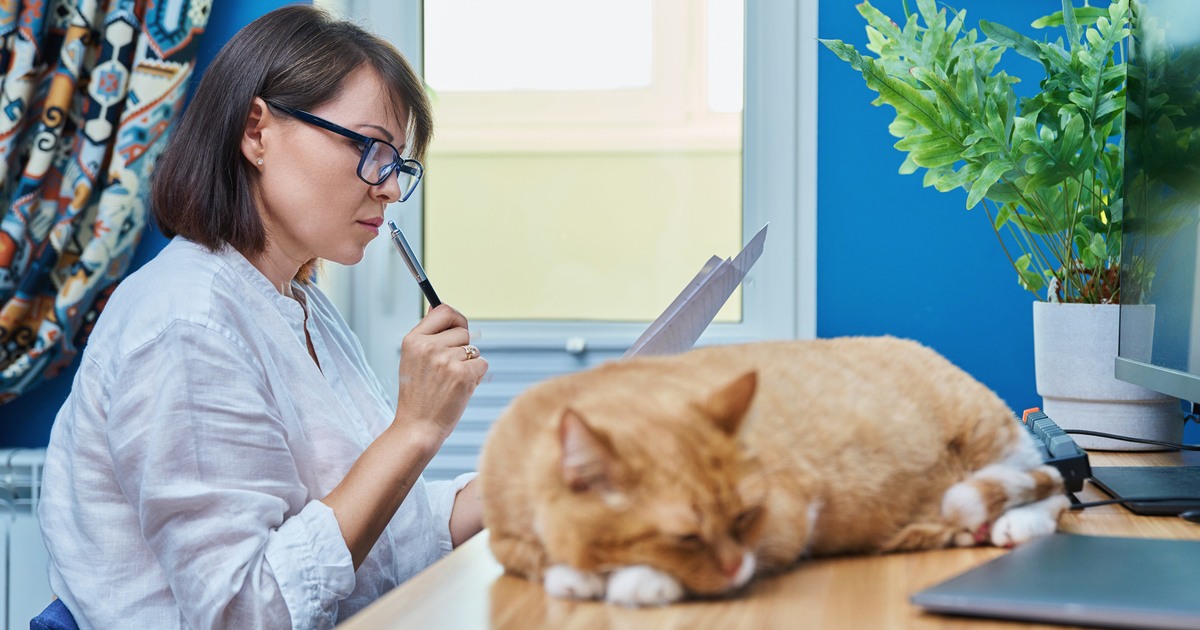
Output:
[[1160, 259], [1159, 346]]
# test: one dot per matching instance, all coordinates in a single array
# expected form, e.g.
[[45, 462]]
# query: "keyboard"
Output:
[[1058, 449]]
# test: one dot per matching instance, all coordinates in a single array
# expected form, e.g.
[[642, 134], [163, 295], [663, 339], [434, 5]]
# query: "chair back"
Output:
[[54, 617]]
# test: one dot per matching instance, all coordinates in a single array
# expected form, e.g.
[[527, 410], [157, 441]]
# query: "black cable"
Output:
[[1113, 436], [1124, 500]]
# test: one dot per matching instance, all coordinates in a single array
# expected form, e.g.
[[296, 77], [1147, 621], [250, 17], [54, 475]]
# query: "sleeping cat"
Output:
[[646, 480]]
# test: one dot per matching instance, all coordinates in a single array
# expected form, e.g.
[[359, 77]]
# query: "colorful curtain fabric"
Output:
[[89, 92]]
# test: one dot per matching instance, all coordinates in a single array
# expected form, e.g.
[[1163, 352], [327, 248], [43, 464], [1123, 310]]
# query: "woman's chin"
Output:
[[350, 257]]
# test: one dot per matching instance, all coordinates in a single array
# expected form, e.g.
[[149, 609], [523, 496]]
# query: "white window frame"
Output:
[[382, 303]]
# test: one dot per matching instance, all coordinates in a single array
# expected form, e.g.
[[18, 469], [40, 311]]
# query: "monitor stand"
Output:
[[1136, 482]]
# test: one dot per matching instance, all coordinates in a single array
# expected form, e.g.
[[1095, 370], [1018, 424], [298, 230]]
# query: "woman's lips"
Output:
[[372, 224]]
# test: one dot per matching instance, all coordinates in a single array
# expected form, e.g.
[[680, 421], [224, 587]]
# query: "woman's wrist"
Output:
[[378, 482], [414, 437]]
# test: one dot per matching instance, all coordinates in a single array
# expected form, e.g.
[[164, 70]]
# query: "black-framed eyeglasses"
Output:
[[379, 158]]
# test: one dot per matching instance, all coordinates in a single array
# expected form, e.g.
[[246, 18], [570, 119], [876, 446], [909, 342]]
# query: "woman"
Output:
[[226, 457]]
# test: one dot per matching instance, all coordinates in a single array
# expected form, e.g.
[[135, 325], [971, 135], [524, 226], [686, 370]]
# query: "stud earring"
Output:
[[260, 161]]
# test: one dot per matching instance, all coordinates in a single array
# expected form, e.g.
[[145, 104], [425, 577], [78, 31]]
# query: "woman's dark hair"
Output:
[[297, 56]]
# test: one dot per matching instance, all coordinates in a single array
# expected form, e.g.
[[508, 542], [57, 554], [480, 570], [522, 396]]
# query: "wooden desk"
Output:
[[468, 589]]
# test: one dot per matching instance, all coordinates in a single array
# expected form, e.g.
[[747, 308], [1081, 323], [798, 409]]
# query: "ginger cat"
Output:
[[647, 480]]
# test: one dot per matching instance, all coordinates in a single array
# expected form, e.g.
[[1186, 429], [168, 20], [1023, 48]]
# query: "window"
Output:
[[580, 150], [588, 158]]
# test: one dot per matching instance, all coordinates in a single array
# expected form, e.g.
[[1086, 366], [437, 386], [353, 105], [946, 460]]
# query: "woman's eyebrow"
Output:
[[387, 135]]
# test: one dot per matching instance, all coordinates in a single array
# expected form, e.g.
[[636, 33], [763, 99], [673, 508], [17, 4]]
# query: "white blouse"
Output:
[[184, 472]]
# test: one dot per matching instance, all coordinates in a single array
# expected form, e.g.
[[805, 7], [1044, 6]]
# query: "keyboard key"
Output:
[[1061, 445]]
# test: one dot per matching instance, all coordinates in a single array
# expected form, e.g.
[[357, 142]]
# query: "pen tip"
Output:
[[392, 224]]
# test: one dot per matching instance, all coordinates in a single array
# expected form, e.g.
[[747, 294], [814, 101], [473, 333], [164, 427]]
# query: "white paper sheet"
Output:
[[682, 323]]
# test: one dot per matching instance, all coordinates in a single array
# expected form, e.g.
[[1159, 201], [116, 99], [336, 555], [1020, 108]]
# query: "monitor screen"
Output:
[[1160, 261]]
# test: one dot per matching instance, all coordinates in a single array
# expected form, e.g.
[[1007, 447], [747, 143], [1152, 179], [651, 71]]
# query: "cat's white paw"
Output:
[[566, 582], [1022, 524], [963, 506], [640, 585]]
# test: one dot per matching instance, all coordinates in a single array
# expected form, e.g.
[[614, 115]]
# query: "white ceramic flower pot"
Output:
[[1075, 347]]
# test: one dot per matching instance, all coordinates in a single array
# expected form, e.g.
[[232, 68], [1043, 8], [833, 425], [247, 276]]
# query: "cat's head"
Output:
[[662, 484]]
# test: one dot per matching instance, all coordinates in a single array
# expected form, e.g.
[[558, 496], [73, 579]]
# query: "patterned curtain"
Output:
[[89, 93]]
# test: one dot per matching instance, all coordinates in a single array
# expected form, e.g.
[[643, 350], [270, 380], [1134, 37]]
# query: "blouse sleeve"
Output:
[[202, 456]]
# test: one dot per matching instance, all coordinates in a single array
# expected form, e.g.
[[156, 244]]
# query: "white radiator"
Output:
[[23, 558]]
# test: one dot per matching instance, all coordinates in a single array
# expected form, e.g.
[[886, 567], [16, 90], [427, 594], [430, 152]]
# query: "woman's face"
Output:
[[312, 201]]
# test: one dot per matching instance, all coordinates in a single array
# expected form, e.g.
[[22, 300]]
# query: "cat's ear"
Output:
[[587, 456], [728, 405]]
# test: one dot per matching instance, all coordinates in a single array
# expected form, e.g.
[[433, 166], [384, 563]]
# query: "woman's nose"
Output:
[[387, 191]]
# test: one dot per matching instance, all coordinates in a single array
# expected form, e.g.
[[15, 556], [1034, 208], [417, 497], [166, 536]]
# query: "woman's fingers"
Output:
[[439, 369], [443, 317]]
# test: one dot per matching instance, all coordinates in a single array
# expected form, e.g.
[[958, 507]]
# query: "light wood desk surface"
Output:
[[467, 589]]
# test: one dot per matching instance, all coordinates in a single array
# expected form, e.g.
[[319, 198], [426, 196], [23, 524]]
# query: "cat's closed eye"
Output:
[[689, 541], [745, 522]]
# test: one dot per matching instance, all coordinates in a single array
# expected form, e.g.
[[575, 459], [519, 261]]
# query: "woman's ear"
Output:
[[253, 146]]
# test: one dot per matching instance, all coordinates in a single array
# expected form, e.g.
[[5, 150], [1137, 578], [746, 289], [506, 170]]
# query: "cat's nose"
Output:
[[731, 566]]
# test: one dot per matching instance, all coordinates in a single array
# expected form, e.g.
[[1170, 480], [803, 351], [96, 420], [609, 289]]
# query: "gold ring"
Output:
[[471, 351]]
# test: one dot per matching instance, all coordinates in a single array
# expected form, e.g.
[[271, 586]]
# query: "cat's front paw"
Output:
[[566, 582], [640, 585], [1022, 524]]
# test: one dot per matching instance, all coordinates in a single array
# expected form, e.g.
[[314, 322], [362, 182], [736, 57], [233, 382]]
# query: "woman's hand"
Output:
[[439, 370]]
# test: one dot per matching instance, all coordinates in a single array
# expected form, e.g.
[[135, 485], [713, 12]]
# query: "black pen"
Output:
[[414, 265]]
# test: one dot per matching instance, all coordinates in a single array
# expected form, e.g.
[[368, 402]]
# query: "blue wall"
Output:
[[26, 421], [896, 258]]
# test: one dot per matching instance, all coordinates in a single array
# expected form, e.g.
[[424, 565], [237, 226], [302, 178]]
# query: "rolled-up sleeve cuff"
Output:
[[312, 566], [441, 502]]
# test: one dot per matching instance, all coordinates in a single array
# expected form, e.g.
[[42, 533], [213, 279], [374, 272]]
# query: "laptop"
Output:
[[1080, 580]]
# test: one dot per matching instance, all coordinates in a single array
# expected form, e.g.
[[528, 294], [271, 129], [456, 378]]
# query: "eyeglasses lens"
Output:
[[381, 161]]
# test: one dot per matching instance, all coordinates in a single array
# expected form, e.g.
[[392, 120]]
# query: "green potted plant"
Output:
[[1046, 171]]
